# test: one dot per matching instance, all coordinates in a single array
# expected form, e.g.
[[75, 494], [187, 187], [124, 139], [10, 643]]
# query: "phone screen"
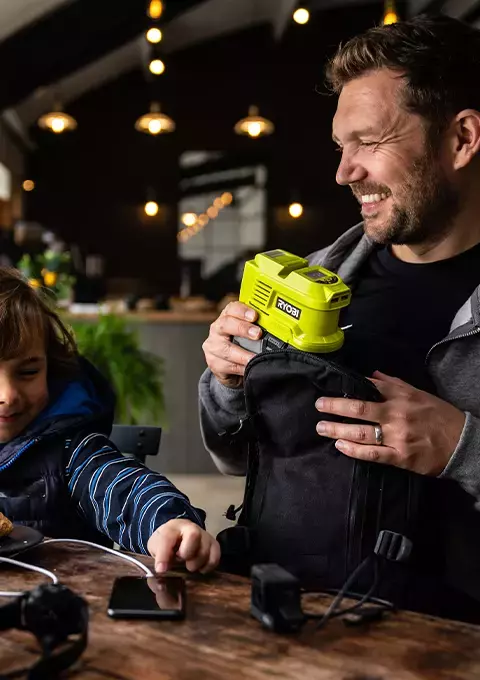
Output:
[[161, 597]]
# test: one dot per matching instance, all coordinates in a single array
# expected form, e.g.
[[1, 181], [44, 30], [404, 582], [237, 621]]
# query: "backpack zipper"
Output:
[[316, 359]]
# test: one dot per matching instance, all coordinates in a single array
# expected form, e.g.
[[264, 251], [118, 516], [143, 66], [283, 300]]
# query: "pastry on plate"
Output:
[[6, 527]]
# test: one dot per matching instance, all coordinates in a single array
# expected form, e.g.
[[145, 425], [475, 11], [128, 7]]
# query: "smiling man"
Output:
[[407, 127], [409, 143]]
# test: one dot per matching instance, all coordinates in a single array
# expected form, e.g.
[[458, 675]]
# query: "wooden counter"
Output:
[[166, 316]]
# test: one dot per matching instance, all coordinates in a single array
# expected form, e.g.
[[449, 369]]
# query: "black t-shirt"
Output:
[[400, 310]]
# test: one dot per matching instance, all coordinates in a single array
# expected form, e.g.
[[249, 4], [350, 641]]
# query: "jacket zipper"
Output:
[[19, 453], [475, 331]]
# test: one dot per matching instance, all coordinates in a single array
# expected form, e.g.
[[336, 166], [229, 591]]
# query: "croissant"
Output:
[[6, 527]]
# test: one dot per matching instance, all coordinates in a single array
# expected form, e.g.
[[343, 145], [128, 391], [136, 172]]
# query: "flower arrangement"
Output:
[[50, 270]]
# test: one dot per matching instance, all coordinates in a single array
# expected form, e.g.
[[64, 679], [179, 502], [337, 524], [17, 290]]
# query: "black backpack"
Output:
[[317, 512]]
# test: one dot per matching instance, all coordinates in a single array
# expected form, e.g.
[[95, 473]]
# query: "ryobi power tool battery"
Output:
[[297, 305]]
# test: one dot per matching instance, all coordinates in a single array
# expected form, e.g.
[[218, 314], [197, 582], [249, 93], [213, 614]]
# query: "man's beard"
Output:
[[430, 203]]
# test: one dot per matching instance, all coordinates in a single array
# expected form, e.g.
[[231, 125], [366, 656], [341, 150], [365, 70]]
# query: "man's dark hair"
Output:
[[438, 57]]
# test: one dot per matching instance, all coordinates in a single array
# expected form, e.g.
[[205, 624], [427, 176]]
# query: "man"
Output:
[[407, 127]]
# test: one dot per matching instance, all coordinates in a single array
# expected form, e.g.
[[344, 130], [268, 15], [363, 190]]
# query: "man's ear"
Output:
[[465, 137]]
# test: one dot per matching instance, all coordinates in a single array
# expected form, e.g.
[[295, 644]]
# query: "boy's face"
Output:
[[23, 390]]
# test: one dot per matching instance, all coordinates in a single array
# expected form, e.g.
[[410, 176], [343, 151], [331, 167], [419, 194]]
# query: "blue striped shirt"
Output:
[[120, 496]]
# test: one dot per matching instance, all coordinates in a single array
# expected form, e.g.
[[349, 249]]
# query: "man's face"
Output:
[[405, 189], [23, 390]]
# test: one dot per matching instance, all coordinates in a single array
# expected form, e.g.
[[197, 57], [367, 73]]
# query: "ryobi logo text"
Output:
[[286, 307]]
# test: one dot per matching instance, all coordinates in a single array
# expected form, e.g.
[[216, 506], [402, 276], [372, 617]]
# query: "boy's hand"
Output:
[[184, 541]]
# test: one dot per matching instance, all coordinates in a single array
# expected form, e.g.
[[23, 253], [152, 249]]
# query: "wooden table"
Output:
[[219, 640]]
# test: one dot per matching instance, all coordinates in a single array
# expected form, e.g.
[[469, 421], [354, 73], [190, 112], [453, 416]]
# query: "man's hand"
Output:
[[420, 431], [226, 360], [180, 540]]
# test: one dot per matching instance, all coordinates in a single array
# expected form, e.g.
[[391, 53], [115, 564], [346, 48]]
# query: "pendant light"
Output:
[[151, 208], [301, 15], [155, 122], [390, 15], [57, 121], [254, 125], [295, 210], [154, 35], [155, 9]]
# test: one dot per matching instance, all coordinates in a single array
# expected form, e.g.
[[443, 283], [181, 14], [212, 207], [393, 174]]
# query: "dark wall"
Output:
[[92, 184]]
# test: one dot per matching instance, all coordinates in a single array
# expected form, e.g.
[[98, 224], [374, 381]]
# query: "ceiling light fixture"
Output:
[[390, 15], [295, 210], [155, 9], [57, 121], [157, 67], [151, 208], [254, 125], [155, 122], [154, 35], [301, 15]]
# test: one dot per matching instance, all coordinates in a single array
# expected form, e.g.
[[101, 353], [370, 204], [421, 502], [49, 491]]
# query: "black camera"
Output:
[[276, 598]]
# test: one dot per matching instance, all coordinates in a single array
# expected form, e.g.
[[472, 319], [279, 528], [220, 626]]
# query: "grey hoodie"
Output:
[[453, 363]]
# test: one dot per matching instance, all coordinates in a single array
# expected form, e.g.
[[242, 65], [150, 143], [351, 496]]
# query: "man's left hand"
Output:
[[419, 431]]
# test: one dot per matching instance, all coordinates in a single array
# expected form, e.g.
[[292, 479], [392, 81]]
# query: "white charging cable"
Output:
[[54, 578], [116, 553], [30, 567]]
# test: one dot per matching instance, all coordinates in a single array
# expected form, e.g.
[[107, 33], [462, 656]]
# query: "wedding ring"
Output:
[[378, 435]]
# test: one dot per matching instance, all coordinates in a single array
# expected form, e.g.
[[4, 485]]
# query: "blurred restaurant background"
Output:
[[147, 149]]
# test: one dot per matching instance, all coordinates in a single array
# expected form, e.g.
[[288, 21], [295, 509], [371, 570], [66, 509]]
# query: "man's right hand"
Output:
[[226, 360]]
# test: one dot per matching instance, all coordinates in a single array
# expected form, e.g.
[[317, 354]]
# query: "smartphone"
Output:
[[157, 597]]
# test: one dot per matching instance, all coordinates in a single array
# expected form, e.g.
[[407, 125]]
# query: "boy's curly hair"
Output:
[[25, 314]]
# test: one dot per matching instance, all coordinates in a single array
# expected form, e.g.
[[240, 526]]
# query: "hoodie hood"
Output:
[[87, 399], [88, 395]]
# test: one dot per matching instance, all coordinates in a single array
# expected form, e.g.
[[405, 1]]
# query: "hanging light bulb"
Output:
[[155, 127], [57, 121], [155, 9], [151, 208], [154, 35], [295, 210], [157, 67], [301, 15], [254, 125], [189, 219], [155, 122], [390, 15], [28, 185]]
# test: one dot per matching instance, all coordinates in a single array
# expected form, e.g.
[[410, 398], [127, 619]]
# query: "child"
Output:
[[59, 472]]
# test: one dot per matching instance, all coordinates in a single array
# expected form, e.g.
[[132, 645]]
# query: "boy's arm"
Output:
[[120, 496]]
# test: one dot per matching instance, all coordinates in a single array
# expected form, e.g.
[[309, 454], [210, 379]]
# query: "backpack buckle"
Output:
[[393, 547]]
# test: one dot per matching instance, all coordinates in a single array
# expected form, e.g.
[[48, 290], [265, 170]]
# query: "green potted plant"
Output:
[[135, 375]]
